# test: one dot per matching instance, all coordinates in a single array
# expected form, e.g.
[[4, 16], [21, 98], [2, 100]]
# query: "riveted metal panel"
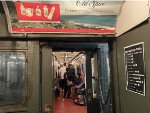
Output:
[[131, 102], [47, 79], [33, 77], [13, 45], [31, 51]]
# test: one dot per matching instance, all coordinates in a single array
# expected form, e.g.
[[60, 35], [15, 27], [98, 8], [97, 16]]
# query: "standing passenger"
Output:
[[68, 76], [62, 71]]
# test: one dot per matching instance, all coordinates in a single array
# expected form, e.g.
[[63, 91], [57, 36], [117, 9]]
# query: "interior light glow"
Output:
[[13, 57]]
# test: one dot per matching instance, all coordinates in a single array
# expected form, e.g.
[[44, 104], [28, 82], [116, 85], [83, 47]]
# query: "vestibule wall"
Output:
[[127, 101]]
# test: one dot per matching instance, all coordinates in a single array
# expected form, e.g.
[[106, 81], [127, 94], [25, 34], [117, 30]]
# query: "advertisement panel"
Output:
[[34, 12], [75, 16]]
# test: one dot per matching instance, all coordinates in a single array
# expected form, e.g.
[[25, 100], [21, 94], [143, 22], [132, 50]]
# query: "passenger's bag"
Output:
[[69, 83]]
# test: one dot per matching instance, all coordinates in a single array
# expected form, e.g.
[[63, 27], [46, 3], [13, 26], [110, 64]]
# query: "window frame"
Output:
[[24, 99]]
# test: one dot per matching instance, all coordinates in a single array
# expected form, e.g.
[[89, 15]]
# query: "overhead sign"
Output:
[[75, 16], [134, 68]]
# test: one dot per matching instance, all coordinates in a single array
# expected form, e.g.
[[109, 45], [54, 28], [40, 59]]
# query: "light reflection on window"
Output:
[[12, 67]]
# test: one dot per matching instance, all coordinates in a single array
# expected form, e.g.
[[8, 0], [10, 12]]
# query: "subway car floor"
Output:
[[66, 105]]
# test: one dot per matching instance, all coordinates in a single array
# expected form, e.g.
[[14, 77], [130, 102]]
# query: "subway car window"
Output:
[[12, 72]]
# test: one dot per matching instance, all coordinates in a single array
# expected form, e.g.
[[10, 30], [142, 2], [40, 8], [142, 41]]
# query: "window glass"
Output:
[[12, 71]]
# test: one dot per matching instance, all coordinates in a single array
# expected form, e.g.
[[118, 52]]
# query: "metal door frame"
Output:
[[89, 49]]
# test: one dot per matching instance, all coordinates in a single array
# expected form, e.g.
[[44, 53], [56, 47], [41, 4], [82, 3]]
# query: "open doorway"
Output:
[[95, 68], [69, 82]]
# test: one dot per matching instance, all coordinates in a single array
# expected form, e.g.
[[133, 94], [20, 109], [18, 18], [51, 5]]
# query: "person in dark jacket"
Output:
[[67, 89]]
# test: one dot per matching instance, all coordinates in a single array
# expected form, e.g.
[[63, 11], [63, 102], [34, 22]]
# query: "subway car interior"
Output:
[[77, 62], [78, 56]]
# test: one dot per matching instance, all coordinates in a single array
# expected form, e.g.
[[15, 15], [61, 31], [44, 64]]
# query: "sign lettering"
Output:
[[38, 12], [134, 68]]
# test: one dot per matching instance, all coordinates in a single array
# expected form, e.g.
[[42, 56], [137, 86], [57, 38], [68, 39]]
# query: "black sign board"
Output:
[[134, 68]]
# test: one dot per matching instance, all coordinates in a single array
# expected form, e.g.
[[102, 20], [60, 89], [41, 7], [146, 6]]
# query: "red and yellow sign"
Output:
[[37, 12]]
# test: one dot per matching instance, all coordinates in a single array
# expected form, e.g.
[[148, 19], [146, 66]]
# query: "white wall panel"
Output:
[[132, 14]]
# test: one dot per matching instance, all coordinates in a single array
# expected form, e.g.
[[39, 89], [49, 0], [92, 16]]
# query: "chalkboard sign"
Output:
[[134, 68]]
